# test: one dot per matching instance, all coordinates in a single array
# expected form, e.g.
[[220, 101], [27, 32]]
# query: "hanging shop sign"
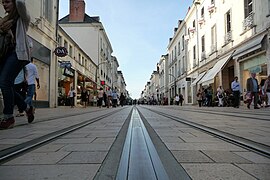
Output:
[[68, 72], [60, 51], [65, 64]]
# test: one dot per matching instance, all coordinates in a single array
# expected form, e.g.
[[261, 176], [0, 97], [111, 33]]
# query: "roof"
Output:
[[87, 19]]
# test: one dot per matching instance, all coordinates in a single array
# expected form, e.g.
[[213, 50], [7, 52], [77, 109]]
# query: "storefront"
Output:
[[42, 60], [251, 58], [65, 81], [256, 64]]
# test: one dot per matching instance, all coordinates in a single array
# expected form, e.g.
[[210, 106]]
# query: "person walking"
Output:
[[122, 99], [200, 97], [267, 90], [177, 99], [181, 99], [31, 78], [109, 97], [20, 86], [15, 23], [220, 96], [105, 98], [114, 98], [236, 89], [253, 90], [100, 97], [71, 95], [84, 97]]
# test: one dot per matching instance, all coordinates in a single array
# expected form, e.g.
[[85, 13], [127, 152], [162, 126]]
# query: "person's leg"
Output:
[[8, 72], [30, 94], [256, 99], [268, 97]]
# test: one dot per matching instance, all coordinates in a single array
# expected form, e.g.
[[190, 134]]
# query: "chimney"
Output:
[[76, 10]]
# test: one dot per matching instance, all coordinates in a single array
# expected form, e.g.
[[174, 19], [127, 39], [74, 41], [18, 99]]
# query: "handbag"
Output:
[[5, 43]]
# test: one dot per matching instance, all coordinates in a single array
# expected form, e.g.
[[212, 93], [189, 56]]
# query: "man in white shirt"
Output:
[[31, 77], [236, 89]]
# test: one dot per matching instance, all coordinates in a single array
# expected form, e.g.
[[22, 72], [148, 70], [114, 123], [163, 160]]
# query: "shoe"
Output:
[[20, 114], [30, 114], [256, 108], [7, 123], [248, 106]]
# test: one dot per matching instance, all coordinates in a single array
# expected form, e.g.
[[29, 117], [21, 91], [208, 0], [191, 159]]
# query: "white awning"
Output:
[[250, 46], [198, 79], [210, 75]]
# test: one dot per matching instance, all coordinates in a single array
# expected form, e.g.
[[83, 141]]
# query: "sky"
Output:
[[139, 32]]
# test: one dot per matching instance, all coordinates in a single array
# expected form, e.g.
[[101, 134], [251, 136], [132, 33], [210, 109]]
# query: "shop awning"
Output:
[[250, 46], [198, 78], [210, 75]]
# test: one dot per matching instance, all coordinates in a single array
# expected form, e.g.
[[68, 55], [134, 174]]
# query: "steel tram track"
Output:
[[228, 113], [17, 150], [256, 147]]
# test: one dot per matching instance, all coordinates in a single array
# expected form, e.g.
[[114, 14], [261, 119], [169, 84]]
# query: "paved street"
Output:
[[93, 151]]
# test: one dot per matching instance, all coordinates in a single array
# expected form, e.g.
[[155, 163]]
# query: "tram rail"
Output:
[[256, 147], [14, 151]]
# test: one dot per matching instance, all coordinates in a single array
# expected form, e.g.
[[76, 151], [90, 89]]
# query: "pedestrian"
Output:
[[100, 97], [104, 99], [267, 90], [20, 86], [84, 97], [16, 23], [31, 78], [220, 96], [200, 97], [71, 95], [262, 96], [236, 89], [122, 99], [253, 90], [209, 96], [177, 99], [109, 97], [181, 99], [114, 98]]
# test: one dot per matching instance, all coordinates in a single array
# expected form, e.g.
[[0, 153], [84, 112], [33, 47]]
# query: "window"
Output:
[[48, 10], [193, 24], [213, 39], [179, 48], [203, 44], [194, 52], [80, 59], [202, 12], [228, 21], [174, 52], [65, 44], [268, 8], [183, 42], [228, 27], [59, 40], [248, 7], [70, 51]]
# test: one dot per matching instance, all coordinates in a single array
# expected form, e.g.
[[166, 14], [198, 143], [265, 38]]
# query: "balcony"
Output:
[[211, 8], [248, 22], [213, 48], [201, 21], [203, 56], [228, 37], [192, 29]]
